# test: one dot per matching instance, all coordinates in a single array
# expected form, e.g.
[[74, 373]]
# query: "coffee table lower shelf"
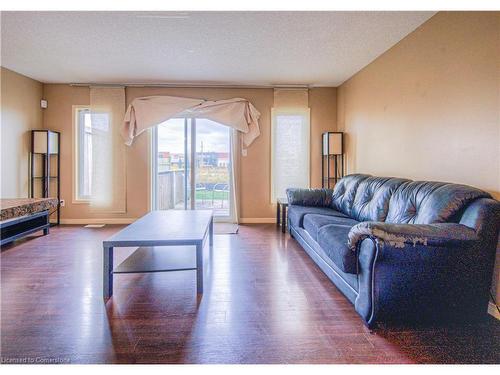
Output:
[[159, 259]]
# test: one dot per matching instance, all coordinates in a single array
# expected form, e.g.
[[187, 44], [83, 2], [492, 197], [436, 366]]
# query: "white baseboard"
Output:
[[124, 220], [257, 220], [247, 220], [493, 311]]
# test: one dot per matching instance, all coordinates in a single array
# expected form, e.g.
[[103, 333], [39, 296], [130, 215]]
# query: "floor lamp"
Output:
[[332, 156]]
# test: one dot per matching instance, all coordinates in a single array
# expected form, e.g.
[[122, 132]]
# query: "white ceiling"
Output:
[[208, 48]]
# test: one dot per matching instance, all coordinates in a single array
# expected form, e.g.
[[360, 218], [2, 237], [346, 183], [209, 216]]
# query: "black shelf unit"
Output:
[[45, 164], [332, 155]]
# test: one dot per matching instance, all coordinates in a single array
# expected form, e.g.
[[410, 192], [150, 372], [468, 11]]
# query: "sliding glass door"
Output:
[[172, 188], [192, 166]]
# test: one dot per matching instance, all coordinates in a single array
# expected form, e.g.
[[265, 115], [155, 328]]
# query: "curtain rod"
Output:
[[177, 85]]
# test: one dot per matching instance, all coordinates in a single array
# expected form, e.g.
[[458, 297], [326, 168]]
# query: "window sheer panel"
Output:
[[82, 157], [86, 157], [108, 179], [290, 150]]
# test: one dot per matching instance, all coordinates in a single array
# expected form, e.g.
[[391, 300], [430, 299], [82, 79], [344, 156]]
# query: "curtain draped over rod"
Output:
[[149, 111]]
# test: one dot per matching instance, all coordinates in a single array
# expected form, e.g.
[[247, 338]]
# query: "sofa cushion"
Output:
[[423, 202], [313, 223], [333, 240], [296, 213], [371, 202], [345, 191]]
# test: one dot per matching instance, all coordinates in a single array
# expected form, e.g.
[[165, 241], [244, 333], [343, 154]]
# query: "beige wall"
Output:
[[322, 102], [429, 107], [20, 113], [254, 168]]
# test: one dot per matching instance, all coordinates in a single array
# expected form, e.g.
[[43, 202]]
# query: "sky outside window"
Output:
[[215, 138]]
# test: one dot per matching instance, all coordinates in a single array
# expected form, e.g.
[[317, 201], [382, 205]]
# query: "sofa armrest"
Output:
[[420, 272], [401, 235], [309, 197]]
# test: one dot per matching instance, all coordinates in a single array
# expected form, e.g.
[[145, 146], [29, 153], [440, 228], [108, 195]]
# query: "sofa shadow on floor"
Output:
[[456, 343]]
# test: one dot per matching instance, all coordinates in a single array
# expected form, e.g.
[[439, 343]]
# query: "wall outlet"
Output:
[[244, 152], [62, 202]]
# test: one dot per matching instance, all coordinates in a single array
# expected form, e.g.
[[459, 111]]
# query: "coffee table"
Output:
[[161, 228]]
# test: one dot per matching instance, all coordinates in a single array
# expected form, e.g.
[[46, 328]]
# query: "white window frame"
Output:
[[300, 111]]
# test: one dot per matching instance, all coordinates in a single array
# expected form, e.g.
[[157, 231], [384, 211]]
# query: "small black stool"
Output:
[[281, 207]]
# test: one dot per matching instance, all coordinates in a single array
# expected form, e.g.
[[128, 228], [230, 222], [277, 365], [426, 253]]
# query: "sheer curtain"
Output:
[[290, 141], [235, 177], [108, 188]]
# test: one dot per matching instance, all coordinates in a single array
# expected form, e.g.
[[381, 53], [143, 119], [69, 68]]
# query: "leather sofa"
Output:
[[401, 250]]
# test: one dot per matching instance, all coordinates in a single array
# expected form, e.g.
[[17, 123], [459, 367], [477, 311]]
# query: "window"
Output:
[[289, 150], [83, 154], [91, 137]]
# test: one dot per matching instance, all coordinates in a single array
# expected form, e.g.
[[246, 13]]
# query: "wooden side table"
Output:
[[281, 217]]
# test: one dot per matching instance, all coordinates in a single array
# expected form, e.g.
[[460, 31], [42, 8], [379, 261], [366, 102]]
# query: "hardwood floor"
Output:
[[265, 301]]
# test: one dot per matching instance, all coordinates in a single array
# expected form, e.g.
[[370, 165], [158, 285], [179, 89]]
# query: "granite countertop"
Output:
[[16, 207]]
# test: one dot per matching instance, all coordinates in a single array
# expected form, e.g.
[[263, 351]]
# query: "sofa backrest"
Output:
[[426, 202], [345, 192], [371, 201], [395, 200]]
